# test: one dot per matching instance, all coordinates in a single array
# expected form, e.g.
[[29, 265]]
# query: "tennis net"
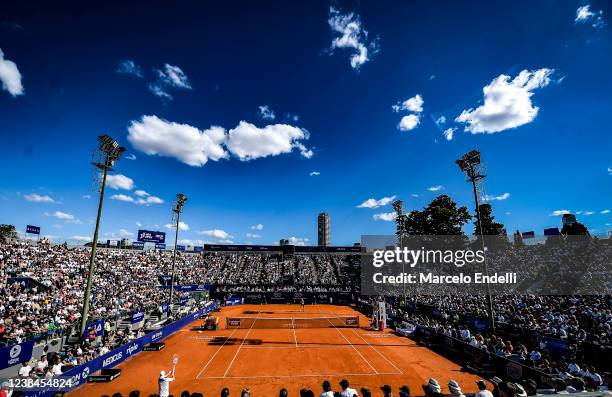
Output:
[[292, 322]]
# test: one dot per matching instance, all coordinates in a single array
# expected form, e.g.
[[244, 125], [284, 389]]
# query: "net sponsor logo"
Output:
[[234, 322], [352, 321]]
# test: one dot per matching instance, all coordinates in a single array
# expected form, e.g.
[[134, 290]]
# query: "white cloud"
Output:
[[81, 238], [587, 213], [249, 142], [36, 198], [414, 104], [373, 203], [435, 188], [298, 240], [414, 195], [502, 197], [605, 211], [448, 133], [130, 157], [584, 15], [266, 113], [63, 216], [159, 91], [174, 77], [10, 76], [259, 226], [155, 136], [609, 170], [128, 66], [408, 123], [119, 182], [507, 103], [216, 233], [351, 35], [385, 216], [123, 197], [86, 196], [138, 224], [441, 120], [125, 233], [559, 212], [182, 226], [253, 235], [150, 200], [141, 193], [314, 173]]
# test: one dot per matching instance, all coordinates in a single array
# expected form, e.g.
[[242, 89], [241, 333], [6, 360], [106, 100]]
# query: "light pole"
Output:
[[177, 208], [476, 171], [400, 232], [104, 158]]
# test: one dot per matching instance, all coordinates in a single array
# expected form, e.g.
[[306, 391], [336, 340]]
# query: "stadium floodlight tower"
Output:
[[177, 208], [104, 159], [475, 172]]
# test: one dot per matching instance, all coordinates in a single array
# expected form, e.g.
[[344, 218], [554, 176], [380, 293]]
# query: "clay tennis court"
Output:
[[266, 360]]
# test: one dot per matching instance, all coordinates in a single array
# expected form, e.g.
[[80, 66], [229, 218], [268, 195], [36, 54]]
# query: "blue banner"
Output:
[[160, 246], [233, 301], [165, 307], [164, 279], [97, 325], [198, 249], [137, 316], [16, 354], [480, 324], [552, 231], [149, 236], [33, 229], [137, 245], [24, 281], [180, 248], [80, 373], [187, 287], [528, 234]]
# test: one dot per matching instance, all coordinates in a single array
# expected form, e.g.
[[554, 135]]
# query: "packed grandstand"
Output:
[[563, 342]]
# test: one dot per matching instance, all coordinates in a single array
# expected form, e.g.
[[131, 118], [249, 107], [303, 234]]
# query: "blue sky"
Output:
[[358, 91]]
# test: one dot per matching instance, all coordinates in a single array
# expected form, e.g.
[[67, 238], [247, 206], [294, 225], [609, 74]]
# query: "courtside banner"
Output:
[[33, 229], [149, 236], [160, 246], [97, 325], [137, 316], [16, 354], [80, 373]]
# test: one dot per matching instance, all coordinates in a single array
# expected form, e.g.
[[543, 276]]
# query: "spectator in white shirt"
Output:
[[327, 391], [25, 370], [482, 389], [346, 390]]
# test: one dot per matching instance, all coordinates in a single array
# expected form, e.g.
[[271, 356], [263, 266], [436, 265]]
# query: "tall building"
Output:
[[323, 229]]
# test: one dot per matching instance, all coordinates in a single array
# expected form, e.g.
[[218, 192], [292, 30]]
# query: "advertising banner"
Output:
[[15, 354], [33, 229], [149, 236]]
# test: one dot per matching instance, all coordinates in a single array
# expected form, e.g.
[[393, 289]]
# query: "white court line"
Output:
[[299, 347], [358, 352], [295, 376], [294, 336], [376, 350], [213, 356], [240, 347]]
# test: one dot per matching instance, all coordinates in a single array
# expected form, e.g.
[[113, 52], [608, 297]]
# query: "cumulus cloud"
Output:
[[502, 197], [36, 198], [155, 136], [409, 122], [248, 142], [119, 182], [350, 34], [605, 212], [128, 66], [448, 133], [441, 120], [266, 113], [314, 173], [414, 104], [182, 226], [373, 203], [10, 76], [298, 240], [216, 233], [141, 193], [123, 197], [64, 216], [194, 147], [385, 216], [130, 157], [169, 77], [507, 103], [559, 212], [584, 15], [435, 188], [149, 200], [259, 226]]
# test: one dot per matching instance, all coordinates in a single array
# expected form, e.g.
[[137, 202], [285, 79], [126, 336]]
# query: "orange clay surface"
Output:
[[266, 360]]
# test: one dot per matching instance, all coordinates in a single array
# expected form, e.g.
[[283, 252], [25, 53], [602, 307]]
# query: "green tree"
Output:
[[7, 231], [440, 217], [575, 229], [489, 226]]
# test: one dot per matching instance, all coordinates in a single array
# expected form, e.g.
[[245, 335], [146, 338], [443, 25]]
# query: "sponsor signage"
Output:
[[98, 326], [552, 231], [15, 354], [180, 248], [138, 316], [528, 234], [149, 236], [198, 249], [137, 245], [33, 229], [160, 246]]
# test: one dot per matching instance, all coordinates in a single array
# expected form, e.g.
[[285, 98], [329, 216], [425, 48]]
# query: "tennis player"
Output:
[[164, 383], [302, 303]]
